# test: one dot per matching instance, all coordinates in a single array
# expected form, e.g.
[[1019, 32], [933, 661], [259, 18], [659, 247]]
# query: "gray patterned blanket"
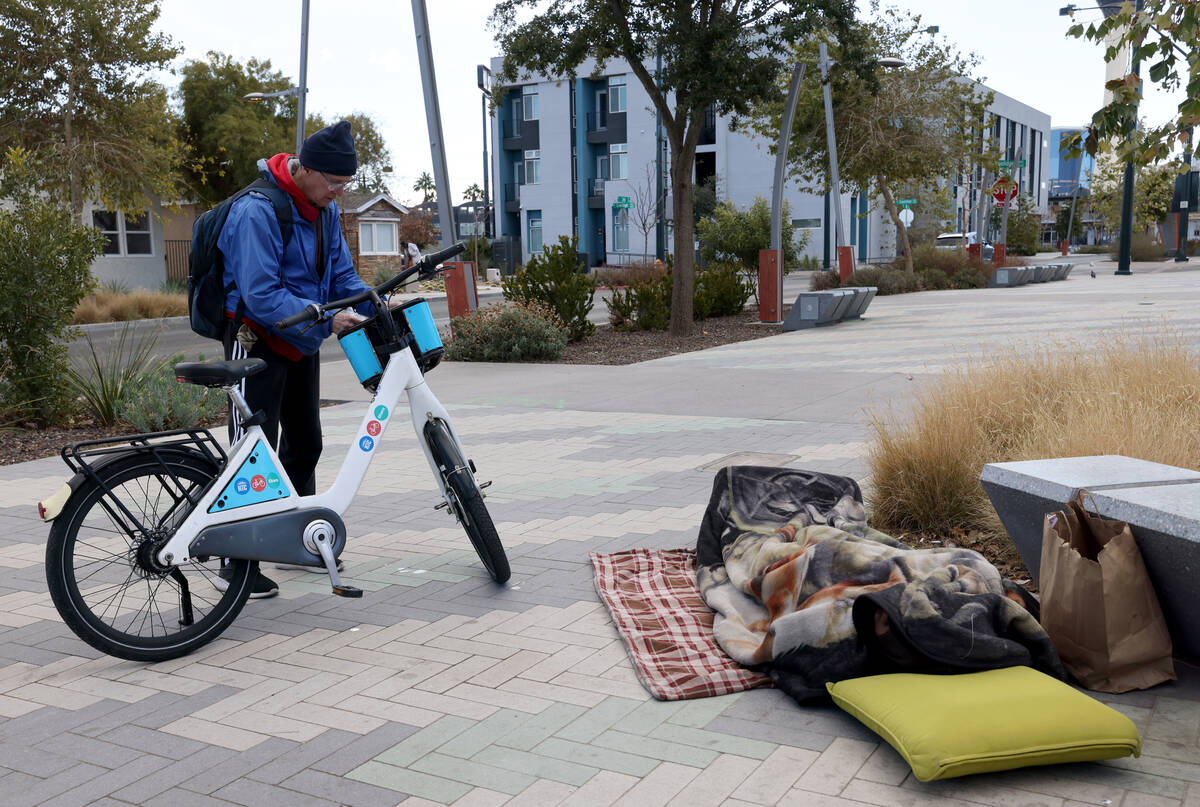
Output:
[[805, 591]]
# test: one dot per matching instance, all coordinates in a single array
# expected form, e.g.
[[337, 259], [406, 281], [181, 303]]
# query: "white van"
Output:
[[955, 241]]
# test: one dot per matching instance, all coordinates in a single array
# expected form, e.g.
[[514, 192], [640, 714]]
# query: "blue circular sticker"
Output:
[[366, 443], [381, 412], [242, 486]]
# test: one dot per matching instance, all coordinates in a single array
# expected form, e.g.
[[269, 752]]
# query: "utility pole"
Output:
[[302, 90], [1127, 196], [433, 120]]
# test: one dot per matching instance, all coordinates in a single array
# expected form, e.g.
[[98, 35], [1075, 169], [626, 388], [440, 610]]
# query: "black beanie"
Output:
[[331, 151]]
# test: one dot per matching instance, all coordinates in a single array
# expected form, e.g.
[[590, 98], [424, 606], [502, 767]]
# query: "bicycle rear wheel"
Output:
[[102, 572], [467, 500]]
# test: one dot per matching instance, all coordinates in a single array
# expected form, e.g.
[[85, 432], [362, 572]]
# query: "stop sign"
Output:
[[1004, 190]]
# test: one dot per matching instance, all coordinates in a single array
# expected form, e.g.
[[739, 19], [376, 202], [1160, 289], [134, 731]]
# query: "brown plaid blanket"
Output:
[[667, 627]]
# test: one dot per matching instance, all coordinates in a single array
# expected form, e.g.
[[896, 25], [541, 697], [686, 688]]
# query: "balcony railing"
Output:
[[596, 187], [511, 128]]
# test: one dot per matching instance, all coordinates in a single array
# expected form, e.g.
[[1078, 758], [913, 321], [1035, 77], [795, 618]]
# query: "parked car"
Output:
[[955, 241]]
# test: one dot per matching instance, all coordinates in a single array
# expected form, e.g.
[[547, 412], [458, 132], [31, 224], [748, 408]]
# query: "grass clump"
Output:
[[514, 332], [125, 306], [1138, 396]]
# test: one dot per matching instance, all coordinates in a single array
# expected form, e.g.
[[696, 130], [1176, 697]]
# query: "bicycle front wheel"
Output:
[[467, 500], [101, 565]]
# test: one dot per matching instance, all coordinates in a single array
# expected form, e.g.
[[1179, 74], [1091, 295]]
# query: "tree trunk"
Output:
[[890, 202], [684, 273], [70, 152]]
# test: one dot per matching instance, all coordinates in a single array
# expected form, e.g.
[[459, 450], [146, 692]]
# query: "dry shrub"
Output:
[[1136, 395], [634, 273], [109, 306]]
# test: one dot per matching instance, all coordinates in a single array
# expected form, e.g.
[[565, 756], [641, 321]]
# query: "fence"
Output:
[[177, 261]]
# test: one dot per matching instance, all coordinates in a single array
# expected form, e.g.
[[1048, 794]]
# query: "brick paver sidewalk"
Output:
[[438, 687]]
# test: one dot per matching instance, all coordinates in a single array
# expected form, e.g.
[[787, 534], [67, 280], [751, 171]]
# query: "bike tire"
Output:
[[467, 500], [96, 561]]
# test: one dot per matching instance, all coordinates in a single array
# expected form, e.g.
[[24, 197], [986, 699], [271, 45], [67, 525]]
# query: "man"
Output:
[[272, 282]]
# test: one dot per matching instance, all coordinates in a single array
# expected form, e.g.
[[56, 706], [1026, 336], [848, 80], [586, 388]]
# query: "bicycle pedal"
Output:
[[347, 591]]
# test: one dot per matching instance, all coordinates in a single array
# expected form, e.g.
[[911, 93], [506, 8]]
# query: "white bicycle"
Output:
[[139, 532]]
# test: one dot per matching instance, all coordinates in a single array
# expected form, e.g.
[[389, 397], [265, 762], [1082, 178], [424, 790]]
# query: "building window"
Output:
[[806, 224], [618, 161], [377, 238], [533, 166], [535, 232], [616, 93], [529, 103], [127, 233], [620, 230]]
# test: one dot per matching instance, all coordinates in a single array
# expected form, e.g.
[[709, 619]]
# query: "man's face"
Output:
[[320, 188]]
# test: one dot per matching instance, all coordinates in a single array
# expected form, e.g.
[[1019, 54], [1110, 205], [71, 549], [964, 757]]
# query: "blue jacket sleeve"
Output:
[[253, 250]]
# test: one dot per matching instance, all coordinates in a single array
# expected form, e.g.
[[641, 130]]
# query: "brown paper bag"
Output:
[[1098, 604]]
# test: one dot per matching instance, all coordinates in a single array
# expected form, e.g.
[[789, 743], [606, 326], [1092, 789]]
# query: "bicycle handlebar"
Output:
[[424, 266]]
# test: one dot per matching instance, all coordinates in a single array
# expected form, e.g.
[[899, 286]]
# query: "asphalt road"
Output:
[[175, 337]]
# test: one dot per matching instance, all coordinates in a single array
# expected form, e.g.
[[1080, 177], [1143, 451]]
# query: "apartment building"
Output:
[[582, 157]]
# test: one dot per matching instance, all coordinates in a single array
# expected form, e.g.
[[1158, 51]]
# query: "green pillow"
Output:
[[954, 725]]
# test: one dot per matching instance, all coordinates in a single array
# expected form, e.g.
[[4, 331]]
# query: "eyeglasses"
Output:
[[335, 187]]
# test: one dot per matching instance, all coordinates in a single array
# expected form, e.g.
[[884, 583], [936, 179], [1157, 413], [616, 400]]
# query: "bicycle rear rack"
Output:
[[82, 458]]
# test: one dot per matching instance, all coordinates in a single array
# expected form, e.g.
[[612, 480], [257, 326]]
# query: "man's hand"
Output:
[[343, 320]]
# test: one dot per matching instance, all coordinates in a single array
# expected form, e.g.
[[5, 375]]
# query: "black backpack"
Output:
[[206, 265]]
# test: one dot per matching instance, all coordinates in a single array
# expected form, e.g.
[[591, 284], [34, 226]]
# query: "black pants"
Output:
[[289, 394]]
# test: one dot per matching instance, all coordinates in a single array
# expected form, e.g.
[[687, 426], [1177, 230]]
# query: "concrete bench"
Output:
[[1009, 276], [1161, 504], [1042, 273], [813, 309]]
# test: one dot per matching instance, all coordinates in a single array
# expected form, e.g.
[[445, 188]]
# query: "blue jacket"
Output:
[[274, 283]]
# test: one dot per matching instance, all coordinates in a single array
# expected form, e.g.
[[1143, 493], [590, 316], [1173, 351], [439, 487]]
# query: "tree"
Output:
[[738, 235], [1162, 34], [424, 185], [227, 135], [45, 270], [647, 202], [1153, 190], [1069, 214], [1024, 225], [720, 53], [473, 193], [417, 227], [924, 124], [75, 90]]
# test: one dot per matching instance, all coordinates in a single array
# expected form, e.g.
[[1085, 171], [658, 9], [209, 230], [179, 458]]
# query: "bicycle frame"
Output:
[[401, 375]]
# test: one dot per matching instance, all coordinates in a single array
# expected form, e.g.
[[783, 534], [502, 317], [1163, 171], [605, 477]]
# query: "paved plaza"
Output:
[[440, 687]]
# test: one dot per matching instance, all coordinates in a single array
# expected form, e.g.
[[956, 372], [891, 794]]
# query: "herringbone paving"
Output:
[[440, 687]]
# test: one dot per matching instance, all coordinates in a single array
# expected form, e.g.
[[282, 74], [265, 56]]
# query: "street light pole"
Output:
[[302, 90], [835, 193], [483, 78], [1183, 185]]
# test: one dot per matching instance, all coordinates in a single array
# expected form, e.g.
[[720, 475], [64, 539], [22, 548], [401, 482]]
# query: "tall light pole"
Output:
[[302, 90], [433, 121], [483, 79]]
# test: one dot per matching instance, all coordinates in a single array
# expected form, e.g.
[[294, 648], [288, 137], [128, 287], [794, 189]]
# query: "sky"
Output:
[[362, 58]]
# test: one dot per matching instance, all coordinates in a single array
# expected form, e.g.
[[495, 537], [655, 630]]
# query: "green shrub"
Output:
[[173, 285], [934, 279], [644, 305], [498, 332], [887, 280], [1142, 247], [730, 234], [160, 402], [553, 280], [482, 259], [824, 280], [622, 276], [45, 260], [808, 263], [720, 291], [104, 384], [1093, 249]]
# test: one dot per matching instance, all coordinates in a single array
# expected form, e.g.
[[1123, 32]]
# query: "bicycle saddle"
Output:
[[217, 373]]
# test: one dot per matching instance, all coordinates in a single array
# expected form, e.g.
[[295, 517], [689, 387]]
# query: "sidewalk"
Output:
[[443, 688]]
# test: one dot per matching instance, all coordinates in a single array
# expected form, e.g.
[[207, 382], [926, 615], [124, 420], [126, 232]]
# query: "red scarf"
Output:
[[278, 166]]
